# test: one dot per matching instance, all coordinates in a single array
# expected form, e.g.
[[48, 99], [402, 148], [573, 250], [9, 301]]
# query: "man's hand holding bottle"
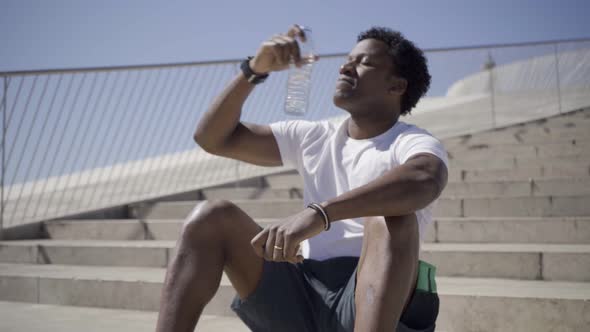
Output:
[[279, 52]]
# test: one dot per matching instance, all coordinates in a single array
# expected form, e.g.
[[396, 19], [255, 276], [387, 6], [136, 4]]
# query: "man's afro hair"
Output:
[[409, 63]]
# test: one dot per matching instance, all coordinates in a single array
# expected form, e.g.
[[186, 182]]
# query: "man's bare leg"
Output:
[[387, 272], [215, 237]]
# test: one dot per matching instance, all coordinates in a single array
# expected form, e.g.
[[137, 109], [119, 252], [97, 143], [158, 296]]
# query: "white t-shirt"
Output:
[[331, 163]]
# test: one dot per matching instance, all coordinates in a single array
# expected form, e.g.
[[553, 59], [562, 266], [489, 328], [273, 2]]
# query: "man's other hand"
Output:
[[280, 241]]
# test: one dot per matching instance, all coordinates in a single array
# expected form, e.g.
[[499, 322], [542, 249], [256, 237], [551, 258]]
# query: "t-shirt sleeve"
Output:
[[290, 136], [420, 141]]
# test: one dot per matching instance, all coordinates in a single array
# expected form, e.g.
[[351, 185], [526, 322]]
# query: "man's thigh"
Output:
[[281, 302]]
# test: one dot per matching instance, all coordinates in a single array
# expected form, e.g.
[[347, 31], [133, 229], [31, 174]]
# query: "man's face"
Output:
[[366, 77]]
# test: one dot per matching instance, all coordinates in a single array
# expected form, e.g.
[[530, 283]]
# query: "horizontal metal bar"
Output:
[[508, 45], [116, 68], [330, 55]]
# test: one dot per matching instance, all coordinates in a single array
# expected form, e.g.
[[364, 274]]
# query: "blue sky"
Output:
[[63, 34]]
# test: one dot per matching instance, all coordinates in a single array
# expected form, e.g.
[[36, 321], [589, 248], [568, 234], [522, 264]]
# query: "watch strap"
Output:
[[250, 75]]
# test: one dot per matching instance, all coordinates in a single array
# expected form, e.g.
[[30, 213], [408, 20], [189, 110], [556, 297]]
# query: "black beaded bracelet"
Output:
[[323, 212]]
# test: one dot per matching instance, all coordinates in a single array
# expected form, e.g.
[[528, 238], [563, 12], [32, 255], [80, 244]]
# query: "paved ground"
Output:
[[26, 317]]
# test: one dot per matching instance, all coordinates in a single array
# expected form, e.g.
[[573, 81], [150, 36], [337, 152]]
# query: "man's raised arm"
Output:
[[220, 131]]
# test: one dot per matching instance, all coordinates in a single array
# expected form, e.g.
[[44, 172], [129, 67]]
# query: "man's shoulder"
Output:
[[408, 129], [413, 137], [305, 123], [299, 128]]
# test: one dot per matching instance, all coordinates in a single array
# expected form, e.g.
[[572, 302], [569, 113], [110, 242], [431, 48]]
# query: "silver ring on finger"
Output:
[[279, 245]]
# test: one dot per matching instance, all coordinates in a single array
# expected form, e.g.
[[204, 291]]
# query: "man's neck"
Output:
[[367, 127]]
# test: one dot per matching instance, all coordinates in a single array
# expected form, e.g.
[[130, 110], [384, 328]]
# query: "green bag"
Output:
[[426, 273]]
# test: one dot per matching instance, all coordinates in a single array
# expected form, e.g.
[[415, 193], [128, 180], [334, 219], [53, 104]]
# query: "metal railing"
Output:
[[82, 139]]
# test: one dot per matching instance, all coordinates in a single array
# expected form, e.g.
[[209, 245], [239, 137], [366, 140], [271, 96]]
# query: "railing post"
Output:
[[489, 66], [3, 170], [237, 183], [555, 46]]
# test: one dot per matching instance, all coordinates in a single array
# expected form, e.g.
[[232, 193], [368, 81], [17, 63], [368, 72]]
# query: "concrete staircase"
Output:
[[511, 242]]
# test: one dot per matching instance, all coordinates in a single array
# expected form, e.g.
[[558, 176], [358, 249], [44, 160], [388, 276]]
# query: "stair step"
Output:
[[253, 193], [119, 229], [512, 144], [518, 135], [88, 252], [469, 304], [465, 302], [522, 151], [539, 187], [490, 170], [464, 142], [551, 127], [540, 206], [503, 162], [542, 172], [510, 261], [565, 230], [16, 317], [516, 261], [286, 180], [533, 187]]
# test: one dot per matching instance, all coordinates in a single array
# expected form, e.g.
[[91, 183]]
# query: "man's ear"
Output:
[[398, 85]]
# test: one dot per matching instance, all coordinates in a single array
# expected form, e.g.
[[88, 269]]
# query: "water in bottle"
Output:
[[299, 81]]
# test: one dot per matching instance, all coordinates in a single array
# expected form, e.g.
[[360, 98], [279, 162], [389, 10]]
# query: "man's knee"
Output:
[[208, 218]]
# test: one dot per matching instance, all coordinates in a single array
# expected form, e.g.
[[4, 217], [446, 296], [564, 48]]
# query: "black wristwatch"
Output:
[[251, 76]]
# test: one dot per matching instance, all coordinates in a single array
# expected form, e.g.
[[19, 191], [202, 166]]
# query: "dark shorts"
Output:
[[316, 296]]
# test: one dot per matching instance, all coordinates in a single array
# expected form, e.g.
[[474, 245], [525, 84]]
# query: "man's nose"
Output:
[[346, 69]]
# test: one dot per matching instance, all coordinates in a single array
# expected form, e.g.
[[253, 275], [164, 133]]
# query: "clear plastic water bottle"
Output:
[[299, 81]]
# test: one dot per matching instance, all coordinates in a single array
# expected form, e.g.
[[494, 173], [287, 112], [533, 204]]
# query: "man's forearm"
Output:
[[223, 116], [401, 191]]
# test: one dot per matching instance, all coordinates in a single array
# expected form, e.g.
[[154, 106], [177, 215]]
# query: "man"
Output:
[[369, 187]]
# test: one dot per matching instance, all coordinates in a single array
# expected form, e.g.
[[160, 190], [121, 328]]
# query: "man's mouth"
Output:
[[346, 81]]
